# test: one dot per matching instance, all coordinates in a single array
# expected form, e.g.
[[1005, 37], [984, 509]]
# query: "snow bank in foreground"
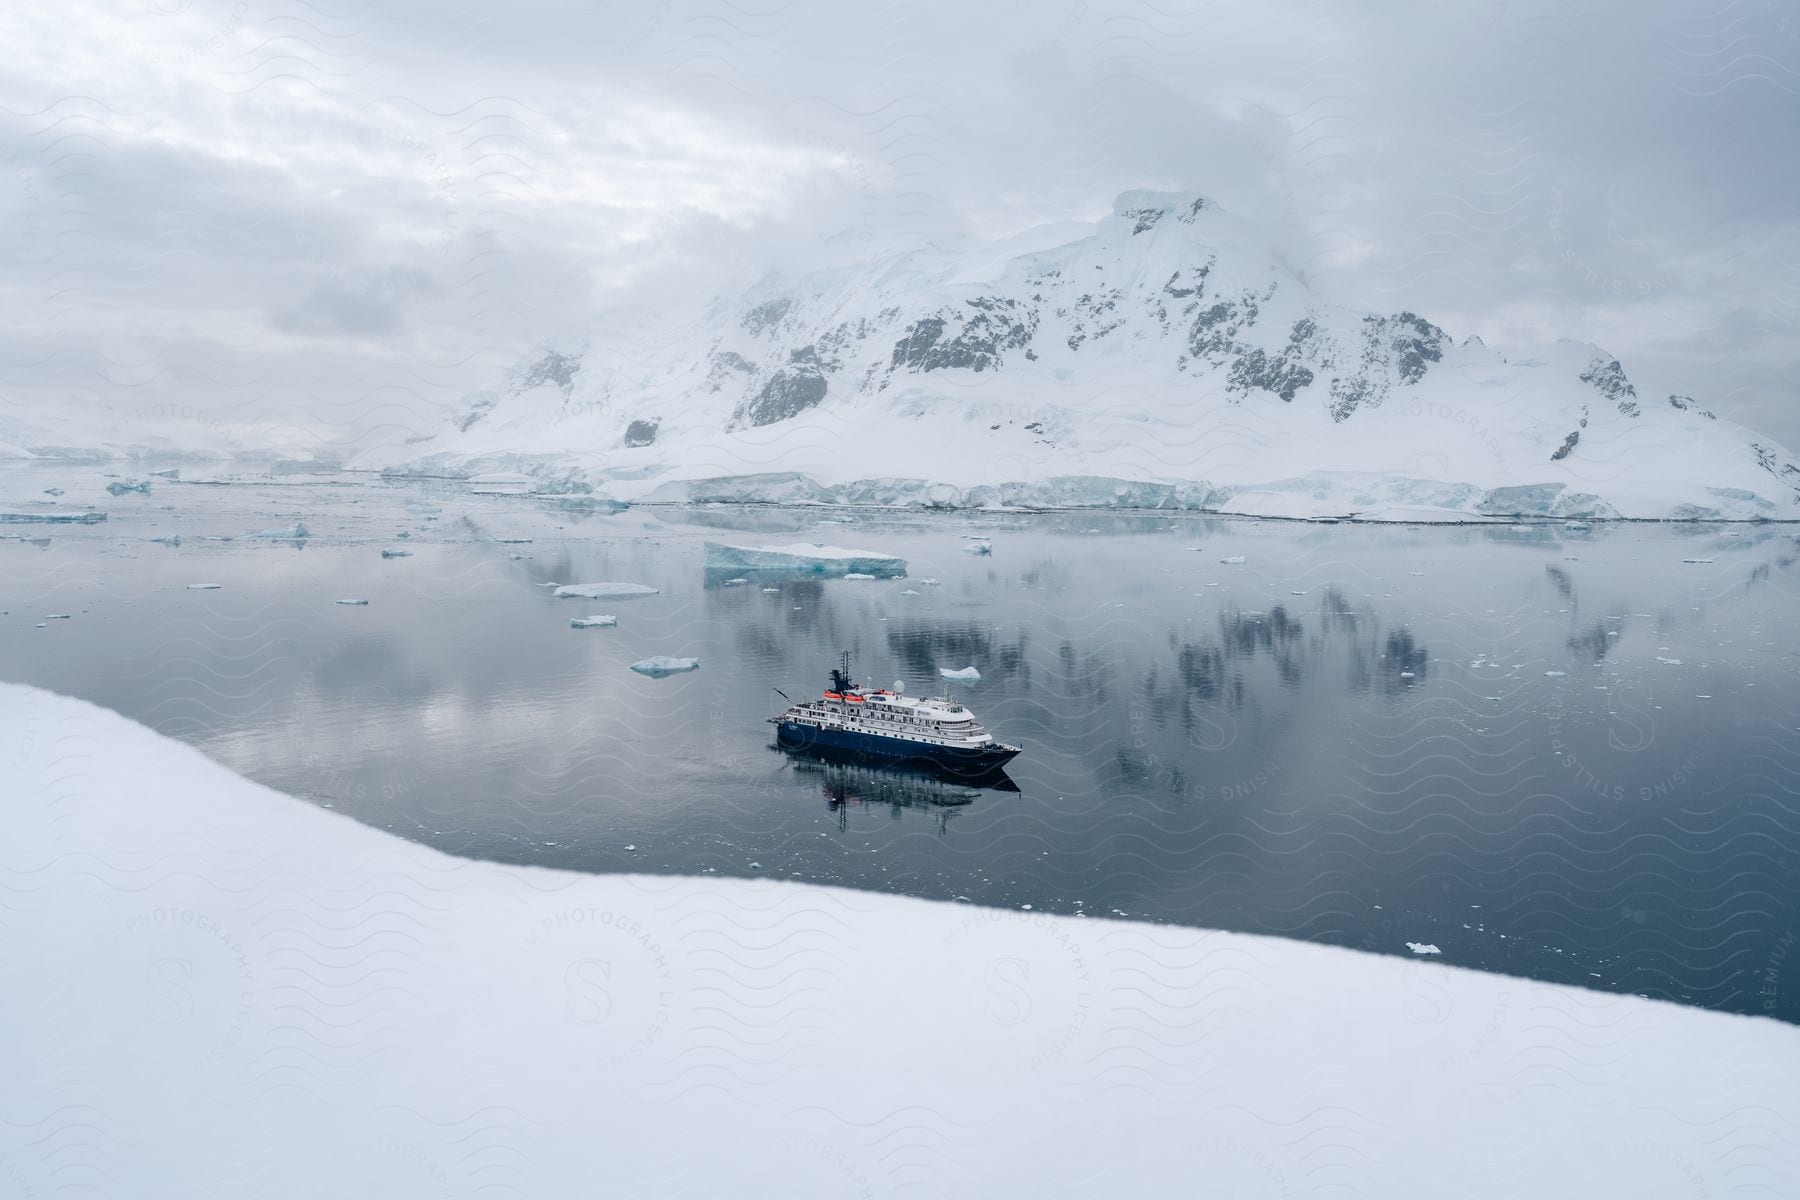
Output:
[[215, 990]]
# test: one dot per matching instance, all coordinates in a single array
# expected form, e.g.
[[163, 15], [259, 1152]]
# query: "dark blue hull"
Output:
[[874, 748]]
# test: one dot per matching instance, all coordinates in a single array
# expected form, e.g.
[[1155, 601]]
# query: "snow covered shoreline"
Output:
[[221, 989]]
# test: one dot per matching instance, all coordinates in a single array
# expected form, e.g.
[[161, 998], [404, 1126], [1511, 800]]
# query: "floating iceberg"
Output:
[[977, 548], [202, 587], [120, 488], [597, 621], [396, 554], [1232, 560], [51, 518], [172, 539], [1696, 560], [602, 591], [297, 532], [1423, 948], [661, 664], [357, 602], [810, 558], [858, 575], [53, 491], [960, 674]]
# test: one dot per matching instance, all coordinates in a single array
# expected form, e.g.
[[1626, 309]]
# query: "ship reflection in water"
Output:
[[847, 785]]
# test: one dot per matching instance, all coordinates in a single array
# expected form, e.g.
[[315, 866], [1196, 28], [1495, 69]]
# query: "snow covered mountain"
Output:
[[1164, 357]]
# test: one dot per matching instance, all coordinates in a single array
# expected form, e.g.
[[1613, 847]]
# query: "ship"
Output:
[[882, 725]]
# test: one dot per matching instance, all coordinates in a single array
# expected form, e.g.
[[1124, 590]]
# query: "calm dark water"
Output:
[[1566, 755]]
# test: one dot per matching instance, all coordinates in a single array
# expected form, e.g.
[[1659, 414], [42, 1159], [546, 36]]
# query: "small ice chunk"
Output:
[[736, 581], [909, 591], [977, 548], [356, 601], [168, 539], [858, 575], [597, 621], [1423, 948], [53, 491], [119, 487], [1696, 560], [1232, 560], [1672, 662], [961, 674], [396, 554], [56, 616], [1406, 675], [929, 582], [1556, 674], [1296, 593], [659, 665], [202, 587], [772, 591], [602, 591]]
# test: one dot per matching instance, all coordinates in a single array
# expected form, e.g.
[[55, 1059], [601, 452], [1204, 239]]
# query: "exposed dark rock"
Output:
[[1686, 404], [553, 367], [766, 314], [1416, 343], [1144, 218], [1567, 448], [1283, 374], [789, 392], [1092, 316], [641, 433], [728, 368], [1607, 377], [1189, 281], [997, 324], [1213, 335]]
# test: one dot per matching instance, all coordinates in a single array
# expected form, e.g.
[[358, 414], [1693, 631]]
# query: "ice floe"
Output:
[[597, 621], [658, 665], [960, 674], [602, 591], [51, 518], [809, 557]]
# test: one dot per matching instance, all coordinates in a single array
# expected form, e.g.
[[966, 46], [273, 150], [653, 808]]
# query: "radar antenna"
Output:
[[840, 677]]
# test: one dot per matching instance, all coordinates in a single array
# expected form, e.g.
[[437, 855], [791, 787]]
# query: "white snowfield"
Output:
[[214, 990], [1166, 358]]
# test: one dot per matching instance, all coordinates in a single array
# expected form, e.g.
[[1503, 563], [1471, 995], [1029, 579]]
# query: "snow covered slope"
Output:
[[1169, 358], [214, 990]]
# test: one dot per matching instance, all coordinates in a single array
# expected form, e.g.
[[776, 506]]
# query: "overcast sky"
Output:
[[271, 216]]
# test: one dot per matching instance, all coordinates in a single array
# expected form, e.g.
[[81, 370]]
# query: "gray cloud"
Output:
[[304, 218]]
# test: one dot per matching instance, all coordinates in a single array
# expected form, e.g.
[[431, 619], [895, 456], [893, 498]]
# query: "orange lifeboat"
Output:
[[833, 696], [854, 699]]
